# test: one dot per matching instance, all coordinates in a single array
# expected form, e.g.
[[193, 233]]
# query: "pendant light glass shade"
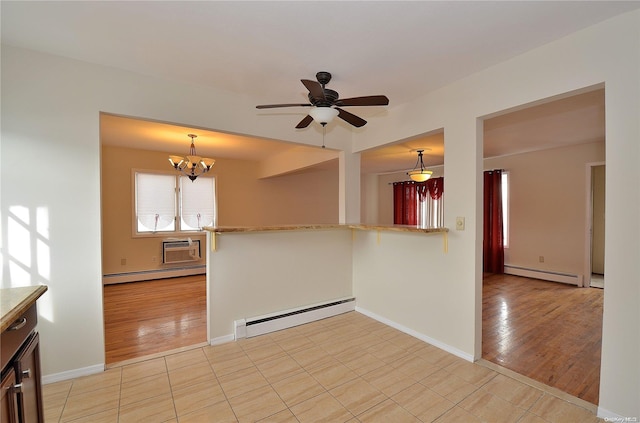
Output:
[[419, 173], [323, 115]]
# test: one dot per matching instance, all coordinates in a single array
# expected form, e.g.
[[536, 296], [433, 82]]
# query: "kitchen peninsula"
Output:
[[262, 271]]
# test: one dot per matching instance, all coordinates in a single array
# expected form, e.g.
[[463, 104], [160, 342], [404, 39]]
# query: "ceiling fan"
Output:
[[326, 103]]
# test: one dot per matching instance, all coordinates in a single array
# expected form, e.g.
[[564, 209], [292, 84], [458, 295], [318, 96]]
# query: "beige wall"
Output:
[[547, 206], [309, 197]]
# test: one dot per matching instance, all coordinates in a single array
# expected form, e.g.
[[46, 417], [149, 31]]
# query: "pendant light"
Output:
[[191, 165], [419, 173]]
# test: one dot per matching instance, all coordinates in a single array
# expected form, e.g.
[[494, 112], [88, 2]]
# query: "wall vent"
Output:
[[180, 251]]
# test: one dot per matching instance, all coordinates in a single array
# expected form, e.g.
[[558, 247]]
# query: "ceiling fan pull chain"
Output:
[[324, 130]]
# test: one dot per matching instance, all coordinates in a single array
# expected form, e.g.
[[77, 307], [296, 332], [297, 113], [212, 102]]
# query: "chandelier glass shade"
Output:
[[419, 173], [191, 165], [323, 115]]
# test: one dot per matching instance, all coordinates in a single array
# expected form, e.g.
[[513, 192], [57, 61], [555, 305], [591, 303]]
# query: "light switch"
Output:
[[459, 223]]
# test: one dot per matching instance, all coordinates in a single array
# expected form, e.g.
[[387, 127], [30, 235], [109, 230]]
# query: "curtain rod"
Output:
[[401, 182]]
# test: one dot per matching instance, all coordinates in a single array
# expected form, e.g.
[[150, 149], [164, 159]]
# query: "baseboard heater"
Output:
[[247, 328], [544, 275], [147, 275]]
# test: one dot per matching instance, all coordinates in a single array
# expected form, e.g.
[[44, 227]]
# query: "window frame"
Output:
[[178, 205]]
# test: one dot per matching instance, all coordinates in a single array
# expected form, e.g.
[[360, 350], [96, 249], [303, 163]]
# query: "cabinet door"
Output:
[[9, 406], [27, 366]]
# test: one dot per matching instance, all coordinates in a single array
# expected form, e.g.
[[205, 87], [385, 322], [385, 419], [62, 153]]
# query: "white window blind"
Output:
[[431, 212], [196, 203], [155, 202]]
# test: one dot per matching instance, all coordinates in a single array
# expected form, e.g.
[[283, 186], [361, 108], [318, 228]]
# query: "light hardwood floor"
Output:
[[150, 317], [550, 332]]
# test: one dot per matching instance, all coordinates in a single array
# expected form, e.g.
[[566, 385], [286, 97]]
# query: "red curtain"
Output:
[[493, 241], [406, 196], [435, 187], [405, 203]]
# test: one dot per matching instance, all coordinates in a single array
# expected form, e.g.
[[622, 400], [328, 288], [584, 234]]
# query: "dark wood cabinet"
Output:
[[9, 405], [21, 377]]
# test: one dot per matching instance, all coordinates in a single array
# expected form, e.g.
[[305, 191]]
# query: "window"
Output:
[[431, 212], [170, 203], [419, 203], [505, 208]]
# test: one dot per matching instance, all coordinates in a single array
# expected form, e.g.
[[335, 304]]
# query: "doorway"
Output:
[[546, 238], [149, 307], [596, 231]]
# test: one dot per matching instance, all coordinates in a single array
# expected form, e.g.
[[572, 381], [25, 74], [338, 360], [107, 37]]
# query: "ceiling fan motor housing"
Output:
[[330, 97]]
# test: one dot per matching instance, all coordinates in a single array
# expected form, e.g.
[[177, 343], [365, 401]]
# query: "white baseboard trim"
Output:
[[72, 374], [545, 275], [222, 339], [148, 275], [415, 334]]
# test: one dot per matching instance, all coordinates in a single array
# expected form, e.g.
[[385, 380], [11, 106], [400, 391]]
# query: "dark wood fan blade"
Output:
[[314, 88], [371, 100], [304, 122], [273, 106], [351, 118]]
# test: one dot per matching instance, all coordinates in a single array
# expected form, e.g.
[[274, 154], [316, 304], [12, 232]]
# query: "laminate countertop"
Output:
[[15, 301], [395, 228]]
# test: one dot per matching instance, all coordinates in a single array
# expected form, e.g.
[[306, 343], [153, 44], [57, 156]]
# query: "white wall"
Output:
[[51, 181], [256, 273], [606, 53], [402, 277], [50, 109]]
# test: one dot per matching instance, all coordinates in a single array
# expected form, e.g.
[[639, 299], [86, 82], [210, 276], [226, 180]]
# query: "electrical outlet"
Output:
[[123, 262], [154, 259], [541, 259], [459, 223]]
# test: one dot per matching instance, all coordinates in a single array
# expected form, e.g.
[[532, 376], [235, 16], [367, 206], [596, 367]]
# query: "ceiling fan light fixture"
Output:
[[419, 173], [323, 115]]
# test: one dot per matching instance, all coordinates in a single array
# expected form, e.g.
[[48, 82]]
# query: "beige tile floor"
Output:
[[347, 368]]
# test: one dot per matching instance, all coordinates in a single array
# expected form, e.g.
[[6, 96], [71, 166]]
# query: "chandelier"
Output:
[[191, 165], [419, 173]]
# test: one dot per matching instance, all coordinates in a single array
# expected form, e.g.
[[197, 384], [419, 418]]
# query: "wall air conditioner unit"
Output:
[[180, 251]]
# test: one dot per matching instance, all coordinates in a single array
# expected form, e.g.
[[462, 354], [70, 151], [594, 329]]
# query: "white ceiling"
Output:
[[262, 49]]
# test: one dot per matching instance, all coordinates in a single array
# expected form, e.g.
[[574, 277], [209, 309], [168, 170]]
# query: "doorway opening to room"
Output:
[[153, 248], [540, 317], [596, 228]]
